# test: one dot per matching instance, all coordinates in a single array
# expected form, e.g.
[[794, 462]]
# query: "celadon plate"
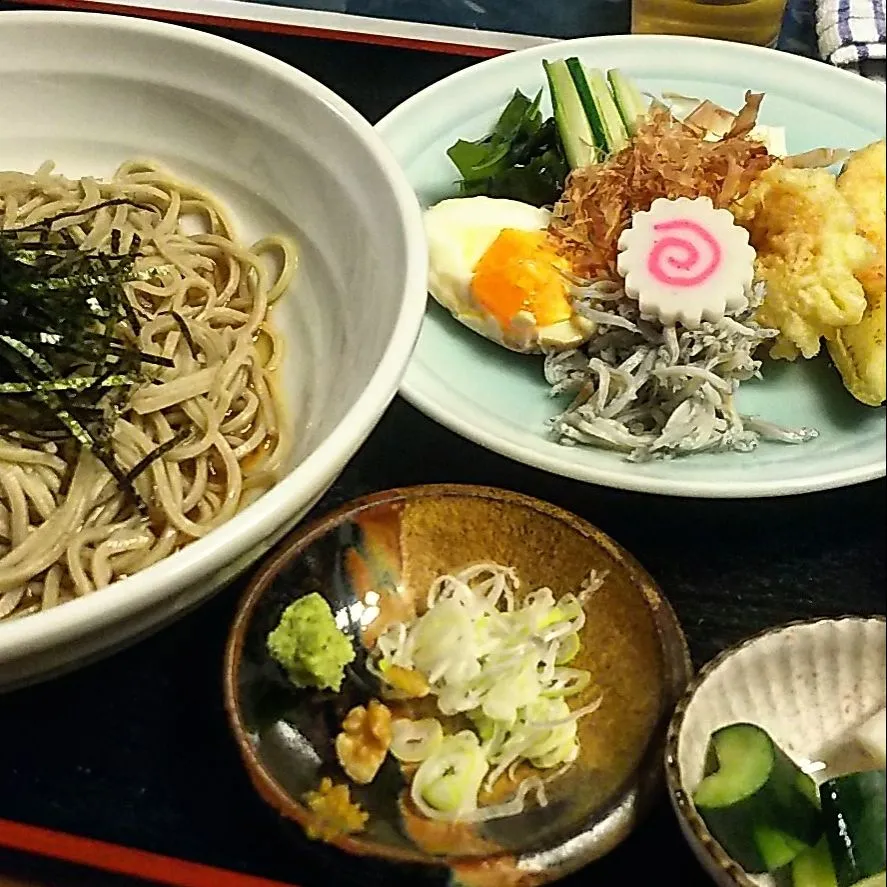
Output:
[[500, 400]]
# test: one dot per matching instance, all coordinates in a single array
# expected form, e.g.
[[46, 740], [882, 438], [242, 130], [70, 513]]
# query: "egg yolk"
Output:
[[519, 272]]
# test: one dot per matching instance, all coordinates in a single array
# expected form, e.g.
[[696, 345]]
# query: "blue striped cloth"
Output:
[[851, 34]]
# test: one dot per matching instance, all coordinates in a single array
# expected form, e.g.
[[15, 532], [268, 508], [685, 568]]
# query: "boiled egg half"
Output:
[[492, 267]]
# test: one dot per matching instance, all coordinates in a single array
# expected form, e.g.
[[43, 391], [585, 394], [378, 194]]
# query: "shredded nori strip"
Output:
[[186, 333], [69, 362], [155, 454], [45, 225]]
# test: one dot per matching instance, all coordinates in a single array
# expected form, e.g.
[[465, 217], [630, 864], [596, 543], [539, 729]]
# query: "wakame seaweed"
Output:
[[69, 359], [521, 158]]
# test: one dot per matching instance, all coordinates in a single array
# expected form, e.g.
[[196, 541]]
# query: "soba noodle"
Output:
[[66, 526]]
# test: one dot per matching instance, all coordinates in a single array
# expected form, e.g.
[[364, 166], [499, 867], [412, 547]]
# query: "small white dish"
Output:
[[500, 400], [808, 684]]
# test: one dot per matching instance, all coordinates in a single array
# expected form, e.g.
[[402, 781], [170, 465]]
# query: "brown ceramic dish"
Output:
[[398, 541]]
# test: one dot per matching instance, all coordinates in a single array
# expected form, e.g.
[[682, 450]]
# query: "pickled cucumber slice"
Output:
[[756, 801]]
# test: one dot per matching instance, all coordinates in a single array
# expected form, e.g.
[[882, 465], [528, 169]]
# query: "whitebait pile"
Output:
[[655, 391], [503, 662]]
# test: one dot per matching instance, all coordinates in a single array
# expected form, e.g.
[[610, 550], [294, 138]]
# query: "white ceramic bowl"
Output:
[[286, 154], [808, 684]]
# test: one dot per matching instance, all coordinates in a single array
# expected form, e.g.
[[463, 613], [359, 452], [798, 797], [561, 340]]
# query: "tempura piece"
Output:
[[804, 232], [859, 351]]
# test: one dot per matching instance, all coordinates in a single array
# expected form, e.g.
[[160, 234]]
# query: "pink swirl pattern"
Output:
[[676, 260]]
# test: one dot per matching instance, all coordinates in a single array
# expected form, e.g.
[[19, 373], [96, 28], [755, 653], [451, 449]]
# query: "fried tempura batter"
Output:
[[859, 351], [808, 253]]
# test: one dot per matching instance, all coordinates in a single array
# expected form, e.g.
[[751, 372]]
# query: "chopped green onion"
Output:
[[499, 658]]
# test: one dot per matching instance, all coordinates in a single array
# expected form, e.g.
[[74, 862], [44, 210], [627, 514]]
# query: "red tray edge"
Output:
[[122, 860]]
